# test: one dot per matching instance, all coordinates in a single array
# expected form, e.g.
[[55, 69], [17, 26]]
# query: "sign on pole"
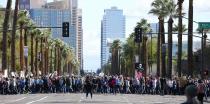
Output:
[[204, 25], [136, 58], [26, 51], [5, 73]]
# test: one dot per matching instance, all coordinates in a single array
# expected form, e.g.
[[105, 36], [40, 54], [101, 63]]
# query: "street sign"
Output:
[[26, 51], [204, 25]]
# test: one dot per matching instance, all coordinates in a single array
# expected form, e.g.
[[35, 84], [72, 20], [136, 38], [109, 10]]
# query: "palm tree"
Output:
[[13, 54], [32, 34], [58, 44], [162, 10], [70, 59], [145, 29], [190, 38], [41, 53], [37, 36], [44, 50], [176, 28], [22, 17], [179, 59], [51, 47], [66, 56], [28, 23], [5, 30], [115, 49], [128, 51]]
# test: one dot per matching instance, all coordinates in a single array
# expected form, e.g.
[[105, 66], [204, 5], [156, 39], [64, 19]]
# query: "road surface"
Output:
[[97, 99]]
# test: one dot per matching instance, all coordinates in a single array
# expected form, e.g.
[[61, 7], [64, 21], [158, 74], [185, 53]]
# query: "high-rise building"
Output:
[[112, 28], [63, 4], [154, 27], [54, 18], [53, 14], [80, 39], [29, 4]]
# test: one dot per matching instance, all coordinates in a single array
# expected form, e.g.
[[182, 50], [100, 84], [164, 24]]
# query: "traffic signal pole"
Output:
[[202, 50]]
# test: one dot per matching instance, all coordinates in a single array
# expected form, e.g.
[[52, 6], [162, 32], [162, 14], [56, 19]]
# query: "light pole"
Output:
[[202, 50]]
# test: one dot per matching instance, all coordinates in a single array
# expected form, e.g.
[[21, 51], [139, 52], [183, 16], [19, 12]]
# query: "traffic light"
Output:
[[65, 29], [138, 35]]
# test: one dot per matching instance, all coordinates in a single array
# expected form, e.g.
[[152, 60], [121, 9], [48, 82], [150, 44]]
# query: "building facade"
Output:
[[80, 38], [53, 14], [112, 28], [55, 18], [31, 4]]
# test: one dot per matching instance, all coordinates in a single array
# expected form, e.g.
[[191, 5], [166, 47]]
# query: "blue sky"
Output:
[[134, 10]]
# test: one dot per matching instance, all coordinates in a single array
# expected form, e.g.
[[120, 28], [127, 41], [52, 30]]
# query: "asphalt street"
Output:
[[97, 99]]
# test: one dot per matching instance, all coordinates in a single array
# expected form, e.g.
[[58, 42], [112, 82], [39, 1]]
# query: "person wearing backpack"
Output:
[[200, 91]]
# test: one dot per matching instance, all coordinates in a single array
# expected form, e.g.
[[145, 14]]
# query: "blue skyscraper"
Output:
[[54, 18], [112, 28], [154, 27]]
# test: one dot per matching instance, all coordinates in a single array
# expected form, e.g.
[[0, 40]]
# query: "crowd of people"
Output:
[[102, 84]]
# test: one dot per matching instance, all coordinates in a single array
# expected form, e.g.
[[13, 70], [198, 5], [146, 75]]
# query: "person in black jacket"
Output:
[[88, 87]]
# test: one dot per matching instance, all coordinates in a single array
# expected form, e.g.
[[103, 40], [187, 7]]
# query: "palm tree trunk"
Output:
[[13, 56], [59, 61], [4, 40], [163, 50], [158, 48], [179, 60], [70, 69], [55, 59], [190, 39], [51, 60], [21, 48], [170, 45], [36, 56], [32, 53], [25, 44], [41, 60], [145, 55], [46, 57]]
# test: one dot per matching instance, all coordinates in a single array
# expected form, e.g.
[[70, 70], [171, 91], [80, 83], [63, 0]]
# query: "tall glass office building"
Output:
[[112, 28], [54, 18]]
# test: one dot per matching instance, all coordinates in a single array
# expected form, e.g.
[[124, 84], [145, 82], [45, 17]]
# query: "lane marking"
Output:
[[128, 102], [14, 100], [81, 99], [19, 99], [37, 100]]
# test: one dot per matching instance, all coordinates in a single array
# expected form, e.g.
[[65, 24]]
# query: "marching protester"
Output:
[[107, 84], [200, 90], [88, 87], [191, 92]]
